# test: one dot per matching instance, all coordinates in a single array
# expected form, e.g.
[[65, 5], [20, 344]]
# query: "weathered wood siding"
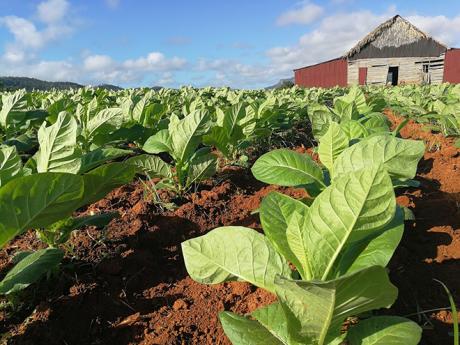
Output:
[[410, 70]]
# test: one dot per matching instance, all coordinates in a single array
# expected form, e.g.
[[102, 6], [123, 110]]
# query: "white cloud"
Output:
[[97, 69], [167, 79], [47, 70], [103, 68], [28, 39], [332, 35], [24, 31], [52, 11], [225, 72], [13, 55], [155, 61], [444, 29], [97, 62], [332, 38], [306, 13]]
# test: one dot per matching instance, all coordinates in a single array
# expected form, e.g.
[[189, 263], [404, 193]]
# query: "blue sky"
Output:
[[244, 44]]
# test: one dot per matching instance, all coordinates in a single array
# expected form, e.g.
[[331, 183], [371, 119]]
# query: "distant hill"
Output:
[[110, 87], [14, 83], [288, 82]]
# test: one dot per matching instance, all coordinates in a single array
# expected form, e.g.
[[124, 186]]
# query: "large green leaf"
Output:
[[345, 110], [58, 146], [140, 107], [385, 330], [104, 122], [232, 117], [272, 317], [234, 252], [398, 156], [276, 211], [10, 164], [377, 123], [377, 249], [159, 142], [356, 95], [315, 310], [269, 327], [37, 201], [152, 166], [217, 137], [186, 133], [320, 117], [332, 143], [13, 107], [102, 180], [287, 168], [242, 331], [354, 130], [99, 156], [200, 168], [352, 208], [30, 269]]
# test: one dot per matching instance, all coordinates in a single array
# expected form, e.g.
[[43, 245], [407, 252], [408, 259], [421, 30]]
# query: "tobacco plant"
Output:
[[233, 130], [340, 156], [181, 141], [339, 247], [357, 117], [45, 202]]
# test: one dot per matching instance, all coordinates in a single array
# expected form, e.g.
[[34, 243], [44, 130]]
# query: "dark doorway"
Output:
[[393, 75]]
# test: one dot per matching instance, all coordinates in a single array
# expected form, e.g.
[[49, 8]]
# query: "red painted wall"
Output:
[[452, 66], [326, 74]]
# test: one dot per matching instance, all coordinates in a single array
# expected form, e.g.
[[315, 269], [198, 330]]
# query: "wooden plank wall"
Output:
[[410, 70]]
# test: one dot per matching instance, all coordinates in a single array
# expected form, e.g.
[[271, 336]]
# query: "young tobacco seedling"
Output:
[[234, 130], [339, 247], [357, 117], [181, 140]]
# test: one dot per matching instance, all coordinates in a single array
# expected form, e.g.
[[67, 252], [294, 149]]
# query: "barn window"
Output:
[[425, 68]]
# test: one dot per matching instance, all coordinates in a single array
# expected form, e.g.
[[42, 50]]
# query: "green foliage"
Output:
[[339, 246], [385, 330], [58, 146], [181, 141], [324, 256], [45, 202], [29, 269], [288, 168], [10, 164], [340, 156]]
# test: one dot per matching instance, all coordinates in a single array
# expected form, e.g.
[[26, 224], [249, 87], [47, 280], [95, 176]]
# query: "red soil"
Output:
[[128, 284], [430, 248]]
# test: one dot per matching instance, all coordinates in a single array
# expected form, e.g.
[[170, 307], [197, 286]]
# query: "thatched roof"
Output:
[[395, 32]]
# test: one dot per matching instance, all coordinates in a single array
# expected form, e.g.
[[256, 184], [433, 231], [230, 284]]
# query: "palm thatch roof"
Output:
[[395, 32]]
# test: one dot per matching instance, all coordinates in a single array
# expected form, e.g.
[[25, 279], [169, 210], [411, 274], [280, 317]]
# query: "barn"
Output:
[[396, 52]]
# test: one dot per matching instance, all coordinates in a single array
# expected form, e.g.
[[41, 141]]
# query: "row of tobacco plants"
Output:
[[324, 256]]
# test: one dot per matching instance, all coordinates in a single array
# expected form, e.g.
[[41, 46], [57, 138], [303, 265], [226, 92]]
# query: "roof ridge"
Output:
[[379, 30]]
